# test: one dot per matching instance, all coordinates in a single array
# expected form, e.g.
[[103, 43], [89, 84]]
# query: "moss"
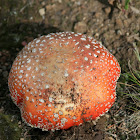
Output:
[[9, 129]]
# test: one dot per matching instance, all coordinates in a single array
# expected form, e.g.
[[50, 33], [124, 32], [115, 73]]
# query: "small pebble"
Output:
[[111, 2], [110, 138], [5, 74], [119, 23], [42, 11], [107, 10], [80, 27], [138, 130]]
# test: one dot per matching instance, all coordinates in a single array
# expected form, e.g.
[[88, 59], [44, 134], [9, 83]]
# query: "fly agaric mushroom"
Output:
[[63, 79]]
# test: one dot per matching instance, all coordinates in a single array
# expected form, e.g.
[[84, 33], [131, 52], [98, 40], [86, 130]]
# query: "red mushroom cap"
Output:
[[63, 79]]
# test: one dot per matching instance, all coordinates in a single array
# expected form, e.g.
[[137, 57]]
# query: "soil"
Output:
[[108, 21]]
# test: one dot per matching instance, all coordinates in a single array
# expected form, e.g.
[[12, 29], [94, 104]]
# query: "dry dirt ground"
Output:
[[117, 27]]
